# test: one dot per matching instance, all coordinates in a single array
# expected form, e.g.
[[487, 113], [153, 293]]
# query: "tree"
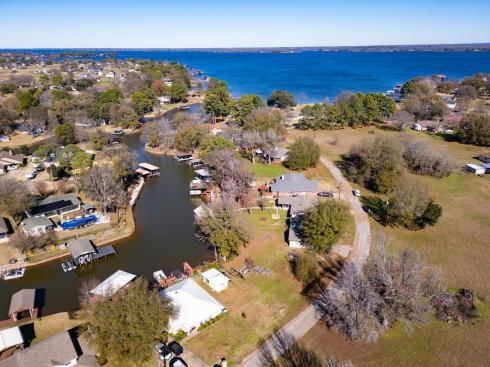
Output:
[[281, 99], [65, 134], [98, 139], [305, 266], [15, 197], [474, 129], [57, 79], [125, 328], [376, 163], [24, 242], [177, 92], [124, 116], [425, 160], [468, 91], [214, 143], [101, 185], [323, 225], [230, 173], [303, 154], [7, 119], [158, 87], [189, 137], [263, 119], [221, 227], [401, 119], [143, 101], [243, 106], [216, 106], [27, 99]]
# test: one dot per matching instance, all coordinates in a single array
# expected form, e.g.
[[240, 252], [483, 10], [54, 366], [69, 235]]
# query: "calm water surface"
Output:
[[164, 238]]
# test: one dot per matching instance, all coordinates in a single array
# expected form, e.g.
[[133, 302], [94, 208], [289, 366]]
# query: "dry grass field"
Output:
[[458, 243]]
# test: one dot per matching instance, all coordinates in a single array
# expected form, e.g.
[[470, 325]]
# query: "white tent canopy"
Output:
[[10, 338], [195, 306]]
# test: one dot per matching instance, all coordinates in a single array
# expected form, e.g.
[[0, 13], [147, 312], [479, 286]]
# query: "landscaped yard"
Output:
[[262, 170], [266, 302], [458, 243]]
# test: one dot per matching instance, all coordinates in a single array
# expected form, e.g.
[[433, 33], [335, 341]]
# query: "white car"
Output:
[[356, 192], [32, 175]]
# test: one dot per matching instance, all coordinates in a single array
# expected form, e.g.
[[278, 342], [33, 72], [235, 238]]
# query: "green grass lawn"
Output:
[[267, 302], [261, 170]]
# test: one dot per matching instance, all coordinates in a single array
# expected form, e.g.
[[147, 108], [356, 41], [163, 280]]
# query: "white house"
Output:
[[215, 279], [196, 306], [475, 168], [110, 74], [36, 226]]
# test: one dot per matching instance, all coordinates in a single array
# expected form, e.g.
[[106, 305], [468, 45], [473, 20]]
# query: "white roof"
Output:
[[148, 166], [475, 166], [215, 276], [10, 338], [114, 283], [194, 304]]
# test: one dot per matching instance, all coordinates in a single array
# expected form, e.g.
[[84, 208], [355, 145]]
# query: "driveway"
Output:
[[307, 318]]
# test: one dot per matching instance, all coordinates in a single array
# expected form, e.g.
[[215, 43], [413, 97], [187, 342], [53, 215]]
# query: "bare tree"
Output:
[[101, 184], [425, 160], [84, 291], [15, 197], [401, 119]]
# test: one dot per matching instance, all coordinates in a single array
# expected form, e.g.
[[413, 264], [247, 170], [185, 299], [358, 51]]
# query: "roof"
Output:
[[279, 153], [3, 225], [202, 172], [54, 202], [16, 158], [297, 204], [475, 166], [485, 155], [293, 182], [148, 166], [213, 275], [80, 247], [10, 338], [22, 300], [195, 305], [114, 283], [30, 223], [57, 350], [293, 235]]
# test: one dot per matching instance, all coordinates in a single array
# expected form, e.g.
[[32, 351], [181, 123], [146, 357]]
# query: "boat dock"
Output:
[[101, 253], [147, 169]]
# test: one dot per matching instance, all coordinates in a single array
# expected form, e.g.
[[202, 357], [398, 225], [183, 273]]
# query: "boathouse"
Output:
[[24, 301], [147, 169], [81, 250], [10, 338], [182, 157], [117, 281]]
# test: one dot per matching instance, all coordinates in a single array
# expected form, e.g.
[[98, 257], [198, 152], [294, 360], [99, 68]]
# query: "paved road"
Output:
[[303, 322]]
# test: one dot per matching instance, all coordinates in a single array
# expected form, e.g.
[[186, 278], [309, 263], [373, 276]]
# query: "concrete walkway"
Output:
[[303, 322]]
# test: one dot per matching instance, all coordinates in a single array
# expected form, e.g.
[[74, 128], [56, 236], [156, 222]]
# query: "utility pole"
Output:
[[340, 187]]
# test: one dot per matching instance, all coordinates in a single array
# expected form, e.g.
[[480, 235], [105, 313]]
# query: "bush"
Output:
[[304, 153], [474, 129], [281, 99], [65, 134], [179, 335], [306, 267], [424, 160]]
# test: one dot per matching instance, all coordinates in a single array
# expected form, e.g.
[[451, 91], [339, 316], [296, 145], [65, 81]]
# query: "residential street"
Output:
[[304, 321]]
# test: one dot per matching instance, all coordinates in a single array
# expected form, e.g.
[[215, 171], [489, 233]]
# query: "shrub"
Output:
[[179, 335], [65, 134], [281, 99], [304, 153], [306, 267], [474, 129], [424, 160]]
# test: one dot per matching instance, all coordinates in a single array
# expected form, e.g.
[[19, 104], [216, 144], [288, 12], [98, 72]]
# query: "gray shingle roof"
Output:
[[30, 223], [22, 300], [293, 182], [3, 225], [80, 247]]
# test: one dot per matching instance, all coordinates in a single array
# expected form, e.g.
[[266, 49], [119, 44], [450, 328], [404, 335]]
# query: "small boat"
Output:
[[159, 276], [68, 266], [14, 273]]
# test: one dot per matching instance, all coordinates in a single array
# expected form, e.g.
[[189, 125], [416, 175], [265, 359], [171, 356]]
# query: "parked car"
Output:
[[356, 192], [178, 362], [325, 194], [176, 348], [12, 168], [4, 138], [39, 168], [164, 353], [32, 175], [118, 131]]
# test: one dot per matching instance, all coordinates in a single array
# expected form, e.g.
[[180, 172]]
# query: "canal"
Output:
[[164, 238]]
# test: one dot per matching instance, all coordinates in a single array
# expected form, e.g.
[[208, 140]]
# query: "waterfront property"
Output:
[[24, 301], [147, 169], [182, 157], [83, 252], [36, 226], [117, 281], [55, 205], [215, 279], [62, 349], [10, 338], [196, 306], [293, 184]]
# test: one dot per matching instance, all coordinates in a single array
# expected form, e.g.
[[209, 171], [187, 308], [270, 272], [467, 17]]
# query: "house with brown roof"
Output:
[[23, 301]]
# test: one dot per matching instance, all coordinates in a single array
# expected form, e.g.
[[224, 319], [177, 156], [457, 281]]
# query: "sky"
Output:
[[234, 23]]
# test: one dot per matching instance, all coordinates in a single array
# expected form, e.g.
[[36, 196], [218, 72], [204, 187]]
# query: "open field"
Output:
[[457, 243], [267, 302]]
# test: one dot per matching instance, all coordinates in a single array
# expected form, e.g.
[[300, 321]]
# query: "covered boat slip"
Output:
[[83, 253], [147, 169]]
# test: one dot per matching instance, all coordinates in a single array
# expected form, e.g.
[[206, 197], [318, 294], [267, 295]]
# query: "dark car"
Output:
[[325, 194], [178, 362], [176, 348]]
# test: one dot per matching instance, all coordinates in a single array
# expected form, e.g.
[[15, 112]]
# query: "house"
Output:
[[117, 281], [81, 250], [486, 166], [296, 205], [484, 157], [277, 155], [23, 301], [8, 157], [10, 338], [475, 168], [215, 279], [37, 226], [163, 100], [59, 350], [110, 74], [293, 184], [195, 305], [55, 205], [4, 228]]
